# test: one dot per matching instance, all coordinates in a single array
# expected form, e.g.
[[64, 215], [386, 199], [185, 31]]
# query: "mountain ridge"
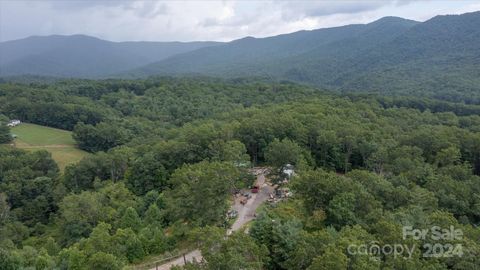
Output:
[[83, 56], [439, 57], [257, 49]]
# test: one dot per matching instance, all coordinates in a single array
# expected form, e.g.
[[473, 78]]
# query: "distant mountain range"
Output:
[[441, 55], [83, 56], [282, 55]]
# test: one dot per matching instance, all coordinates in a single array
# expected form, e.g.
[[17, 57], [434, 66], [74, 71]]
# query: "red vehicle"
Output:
[[255, 189]]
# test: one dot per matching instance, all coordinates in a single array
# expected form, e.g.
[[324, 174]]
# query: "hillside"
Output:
[[252, 55], [436, 58], [83, 56]]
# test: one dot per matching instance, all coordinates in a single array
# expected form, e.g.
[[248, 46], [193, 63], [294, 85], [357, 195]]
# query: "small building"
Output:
[[288, 170], [14, 123]]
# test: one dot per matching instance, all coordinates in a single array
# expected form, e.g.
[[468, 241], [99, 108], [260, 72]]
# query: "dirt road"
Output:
[[246, 213], [189, 257]]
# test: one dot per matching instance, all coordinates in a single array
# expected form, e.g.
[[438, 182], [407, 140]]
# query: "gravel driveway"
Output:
[[246, 213]]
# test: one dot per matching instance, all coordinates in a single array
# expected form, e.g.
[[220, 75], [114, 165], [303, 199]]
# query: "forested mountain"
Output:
[[250, 55], [436, 58], [83, 56]]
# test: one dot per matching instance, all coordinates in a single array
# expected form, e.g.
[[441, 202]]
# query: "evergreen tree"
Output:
[[5, 136], [153, 216], [130, 220]]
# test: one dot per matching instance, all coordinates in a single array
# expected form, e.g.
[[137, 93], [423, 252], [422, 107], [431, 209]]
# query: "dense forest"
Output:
[[168, 152]]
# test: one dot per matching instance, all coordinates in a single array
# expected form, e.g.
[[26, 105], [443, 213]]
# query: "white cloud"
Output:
[[201, 20], [324, 8]]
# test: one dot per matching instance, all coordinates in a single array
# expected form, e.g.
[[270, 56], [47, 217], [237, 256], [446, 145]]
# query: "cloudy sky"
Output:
[[202, 20]]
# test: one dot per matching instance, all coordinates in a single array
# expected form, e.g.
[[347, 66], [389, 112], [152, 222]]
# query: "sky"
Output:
[[176, 20]]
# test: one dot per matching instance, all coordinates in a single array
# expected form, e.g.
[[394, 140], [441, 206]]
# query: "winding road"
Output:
[[246, 213]]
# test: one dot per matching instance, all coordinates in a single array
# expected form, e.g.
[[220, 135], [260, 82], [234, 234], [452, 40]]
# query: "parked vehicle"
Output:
[[232, 213]]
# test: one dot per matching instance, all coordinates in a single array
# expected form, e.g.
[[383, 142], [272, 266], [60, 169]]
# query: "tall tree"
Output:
[[5, 136], [130, 220], [279, 153], [199, 192]]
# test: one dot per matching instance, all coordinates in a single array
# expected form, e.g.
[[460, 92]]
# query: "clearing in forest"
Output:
[[56, 141]]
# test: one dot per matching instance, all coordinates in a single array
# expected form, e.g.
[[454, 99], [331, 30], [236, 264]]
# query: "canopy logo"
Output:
[[376, 251]]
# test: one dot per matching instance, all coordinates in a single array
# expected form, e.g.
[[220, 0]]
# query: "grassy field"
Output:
[[56, 141]]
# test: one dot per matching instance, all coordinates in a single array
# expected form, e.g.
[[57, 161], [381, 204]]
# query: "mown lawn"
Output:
[[56, 141]]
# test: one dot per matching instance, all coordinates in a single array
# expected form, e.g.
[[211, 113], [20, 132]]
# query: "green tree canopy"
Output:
[[279, 153], [5, 136], [199, 192]]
